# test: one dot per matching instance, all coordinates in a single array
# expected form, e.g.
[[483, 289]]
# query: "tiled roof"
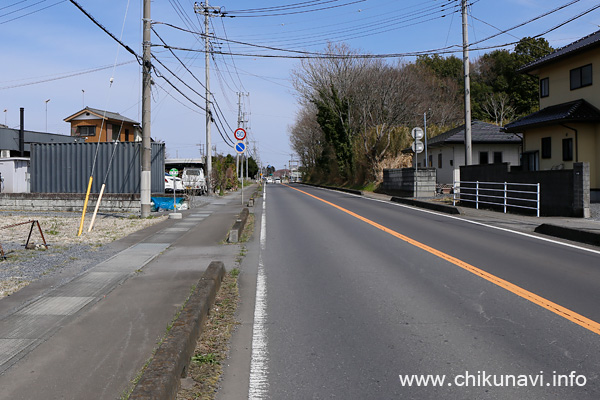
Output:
[[481, 132], [573, 111], [585, 43], [101, 113], [112, 115]]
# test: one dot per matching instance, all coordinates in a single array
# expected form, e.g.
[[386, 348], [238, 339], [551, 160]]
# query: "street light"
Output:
[[47, 114]]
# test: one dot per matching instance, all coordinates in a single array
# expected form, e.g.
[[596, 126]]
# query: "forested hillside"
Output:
[[355, 112]]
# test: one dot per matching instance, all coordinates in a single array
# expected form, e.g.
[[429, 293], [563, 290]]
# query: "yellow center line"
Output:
[[519, 291]]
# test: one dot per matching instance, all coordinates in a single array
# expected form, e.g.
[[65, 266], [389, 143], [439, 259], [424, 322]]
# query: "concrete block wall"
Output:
[[68, 202], [401, 182], [562, 192]]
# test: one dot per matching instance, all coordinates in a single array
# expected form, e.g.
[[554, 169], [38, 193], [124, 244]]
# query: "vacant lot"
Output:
[[22, 266]]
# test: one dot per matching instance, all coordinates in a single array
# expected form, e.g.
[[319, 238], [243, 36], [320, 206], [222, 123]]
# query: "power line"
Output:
[[285, 7], [296, 12], [527, 22], [368, 31], [160, 75], [178, 78], [181, 62], [12, 5], [107, 31], [20, 9], [65, 76], [32, 12]]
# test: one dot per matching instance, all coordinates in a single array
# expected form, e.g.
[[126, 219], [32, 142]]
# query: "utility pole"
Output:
[[205, 9], [465, 31], [425, 137], [145, 184], [239, 125], [246, 143]]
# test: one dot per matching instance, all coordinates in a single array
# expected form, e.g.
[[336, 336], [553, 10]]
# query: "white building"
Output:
[[490, 145]]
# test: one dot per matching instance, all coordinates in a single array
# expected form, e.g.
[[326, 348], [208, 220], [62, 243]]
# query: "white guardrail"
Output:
[[488, 193]]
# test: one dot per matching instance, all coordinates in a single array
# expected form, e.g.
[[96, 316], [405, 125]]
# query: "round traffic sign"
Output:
[[240, 147], [173, 172], [417, 133], [240, 134], [417, 146]]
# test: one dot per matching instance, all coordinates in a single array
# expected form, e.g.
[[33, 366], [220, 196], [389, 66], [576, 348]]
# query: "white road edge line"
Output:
[[473, 222], [259, 383]]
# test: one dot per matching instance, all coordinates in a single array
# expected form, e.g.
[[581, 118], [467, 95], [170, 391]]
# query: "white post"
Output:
[[538, 200], [505, 193]]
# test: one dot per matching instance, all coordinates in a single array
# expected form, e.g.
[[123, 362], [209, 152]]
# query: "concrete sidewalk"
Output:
[[90, 337], [572, 229]]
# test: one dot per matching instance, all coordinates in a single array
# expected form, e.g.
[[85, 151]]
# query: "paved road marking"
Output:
[[572, 316], [258, 364]]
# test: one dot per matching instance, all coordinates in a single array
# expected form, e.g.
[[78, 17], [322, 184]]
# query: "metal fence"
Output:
[[66, 167], [501, 194]]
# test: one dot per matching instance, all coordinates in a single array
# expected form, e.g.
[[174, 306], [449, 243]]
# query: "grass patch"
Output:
[[206, 365], [248, 229]]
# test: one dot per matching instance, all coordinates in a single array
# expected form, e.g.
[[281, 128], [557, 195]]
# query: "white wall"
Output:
[[449, 172]]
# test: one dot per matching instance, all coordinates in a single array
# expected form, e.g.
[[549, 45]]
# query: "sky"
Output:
[[55, 60]]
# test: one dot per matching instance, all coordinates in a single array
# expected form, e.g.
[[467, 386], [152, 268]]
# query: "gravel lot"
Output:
[[23, 266]]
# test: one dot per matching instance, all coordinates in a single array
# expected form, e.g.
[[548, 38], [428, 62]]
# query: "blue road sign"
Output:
[[240, 147]]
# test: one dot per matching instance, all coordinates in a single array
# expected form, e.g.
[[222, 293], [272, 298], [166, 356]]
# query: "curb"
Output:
[[425, 204], [162, 377], [576, 235], [238, 227]]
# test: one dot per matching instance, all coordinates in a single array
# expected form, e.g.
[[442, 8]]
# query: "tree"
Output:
[[448, 67], [525, 91], [333, 114], [497, 107], [496, 73], [252, 167], [383, 103], [306, 136], [328, 85]]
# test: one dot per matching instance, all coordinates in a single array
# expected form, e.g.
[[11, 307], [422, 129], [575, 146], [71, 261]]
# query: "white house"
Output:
[[490, 145]]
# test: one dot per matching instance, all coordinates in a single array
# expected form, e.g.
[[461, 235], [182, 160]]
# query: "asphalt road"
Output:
[[353, 306]]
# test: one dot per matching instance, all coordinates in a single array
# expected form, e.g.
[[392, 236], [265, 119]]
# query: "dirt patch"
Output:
[[22, 266]]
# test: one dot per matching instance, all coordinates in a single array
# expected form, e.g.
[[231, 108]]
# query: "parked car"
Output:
[[173, 182], [193, 178]]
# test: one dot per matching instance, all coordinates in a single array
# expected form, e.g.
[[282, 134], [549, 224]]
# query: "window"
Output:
[[440, 160], [451, 163], [544, 87], [530, 161], [567, 145], [430, 164], [84, 130], [116, 130], [127, 135], [497, 157], [483, 157], [581, 77], [547, 147]]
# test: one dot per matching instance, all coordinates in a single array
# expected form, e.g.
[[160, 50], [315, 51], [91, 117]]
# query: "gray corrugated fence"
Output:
[[66, 167]]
